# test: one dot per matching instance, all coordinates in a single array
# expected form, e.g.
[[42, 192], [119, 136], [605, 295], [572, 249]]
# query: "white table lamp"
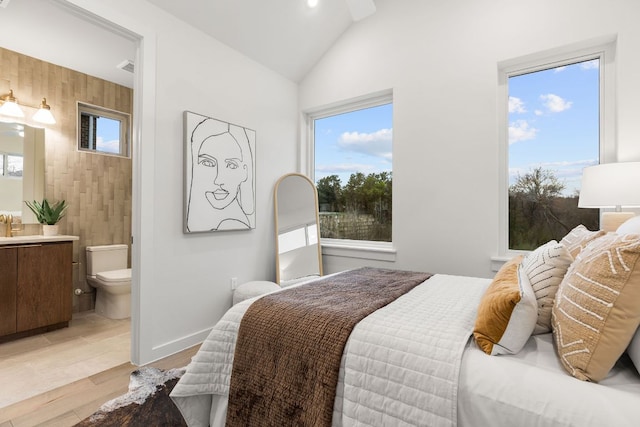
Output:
[[611, 185]]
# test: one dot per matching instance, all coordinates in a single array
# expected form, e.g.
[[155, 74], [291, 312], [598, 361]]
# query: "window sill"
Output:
[[378, 251], [498, 261]]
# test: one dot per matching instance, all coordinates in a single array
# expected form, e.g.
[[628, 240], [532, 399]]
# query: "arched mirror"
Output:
[[298, 252]]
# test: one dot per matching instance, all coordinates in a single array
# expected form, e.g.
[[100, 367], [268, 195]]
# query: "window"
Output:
[[352, 153], [102, 130], [555, 127], [11, 165]]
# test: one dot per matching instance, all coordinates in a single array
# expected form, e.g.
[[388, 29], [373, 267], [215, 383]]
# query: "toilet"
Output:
[[107, 272]]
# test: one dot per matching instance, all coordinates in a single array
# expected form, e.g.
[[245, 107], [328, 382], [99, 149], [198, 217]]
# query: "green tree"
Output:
[[534, 216], [355, 199], [329, 193]]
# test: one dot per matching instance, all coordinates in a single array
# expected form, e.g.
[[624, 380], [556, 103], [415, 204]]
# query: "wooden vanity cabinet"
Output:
[[39, 282], [8, 280]]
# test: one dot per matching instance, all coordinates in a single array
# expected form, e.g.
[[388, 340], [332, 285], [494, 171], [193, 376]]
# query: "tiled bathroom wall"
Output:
[[97, 187]]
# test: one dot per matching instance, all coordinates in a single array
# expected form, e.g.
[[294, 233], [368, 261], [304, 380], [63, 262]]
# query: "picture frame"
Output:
[[219, 175]]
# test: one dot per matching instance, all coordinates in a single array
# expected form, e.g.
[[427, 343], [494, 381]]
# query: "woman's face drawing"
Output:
[[221, 169]]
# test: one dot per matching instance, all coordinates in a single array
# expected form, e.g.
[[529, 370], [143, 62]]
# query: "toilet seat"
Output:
[[115, 275]]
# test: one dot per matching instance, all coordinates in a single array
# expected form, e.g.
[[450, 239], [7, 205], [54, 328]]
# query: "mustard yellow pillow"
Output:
[[597, 306], [507, 312]]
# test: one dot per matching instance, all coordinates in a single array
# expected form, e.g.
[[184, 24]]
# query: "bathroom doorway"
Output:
[[62, 23]]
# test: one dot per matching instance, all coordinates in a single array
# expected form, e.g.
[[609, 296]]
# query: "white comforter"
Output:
[[400, 365]]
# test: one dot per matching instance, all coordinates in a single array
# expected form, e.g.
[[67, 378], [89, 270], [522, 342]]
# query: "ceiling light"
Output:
[[312, 3], [43, 115], [10, 106]]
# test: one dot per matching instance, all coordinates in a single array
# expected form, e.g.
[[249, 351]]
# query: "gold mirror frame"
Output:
[[297, 228]]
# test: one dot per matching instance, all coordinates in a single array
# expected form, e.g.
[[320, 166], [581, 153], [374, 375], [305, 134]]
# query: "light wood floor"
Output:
[[94, 354]]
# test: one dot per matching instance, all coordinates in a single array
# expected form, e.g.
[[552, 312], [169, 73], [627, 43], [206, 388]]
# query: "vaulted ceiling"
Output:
[[286, 36]]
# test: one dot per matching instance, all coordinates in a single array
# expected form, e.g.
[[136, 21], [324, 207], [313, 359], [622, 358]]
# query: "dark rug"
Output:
[[146, 404]]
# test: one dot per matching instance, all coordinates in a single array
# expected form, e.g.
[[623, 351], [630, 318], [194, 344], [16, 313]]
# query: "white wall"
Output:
[[182, 282], [441, 60]]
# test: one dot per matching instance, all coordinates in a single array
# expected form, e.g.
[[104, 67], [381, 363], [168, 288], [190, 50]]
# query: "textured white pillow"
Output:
[[545, 268], [630, 226], [578, 238]]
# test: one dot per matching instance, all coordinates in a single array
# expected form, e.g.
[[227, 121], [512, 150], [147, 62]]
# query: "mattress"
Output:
[[531, 388]]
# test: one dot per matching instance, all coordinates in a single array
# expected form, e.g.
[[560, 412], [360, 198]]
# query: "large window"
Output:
[[555, 128], [352, 151]]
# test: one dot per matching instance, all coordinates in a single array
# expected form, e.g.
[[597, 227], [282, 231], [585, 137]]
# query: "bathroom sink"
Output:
[[36, 238]]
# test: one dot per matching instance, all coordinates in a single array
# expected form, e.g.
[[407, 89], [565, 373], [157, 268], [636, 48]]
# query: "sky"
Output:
[[108, 138], [554, 122], [359, 141]]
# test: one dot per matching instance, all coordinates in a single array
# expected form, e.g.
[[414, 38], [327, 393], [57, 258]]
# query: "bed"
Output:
[[421, 359]]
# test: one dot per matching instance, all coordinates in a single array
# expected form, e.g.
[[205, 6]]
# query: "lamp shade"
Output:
[[11, 109], [43, 115], [610, 185]]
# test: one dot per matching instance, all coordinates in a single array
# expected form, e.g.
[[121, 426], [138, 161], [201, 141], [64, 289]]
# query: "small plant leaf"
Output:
[[47, 213]]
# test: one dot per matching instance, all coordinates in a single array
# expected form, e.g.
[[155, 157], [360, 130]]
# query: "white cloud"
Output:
[[520, 130], [112, 146], [516, 105], [574, 163], [559, 69], [590, 65], [554, 103], [374, 144], [337, 168]]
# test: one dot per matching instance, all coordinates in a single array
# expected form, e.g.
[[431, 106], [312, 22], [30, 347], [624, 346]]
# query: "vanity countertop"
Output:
[[18, 240]]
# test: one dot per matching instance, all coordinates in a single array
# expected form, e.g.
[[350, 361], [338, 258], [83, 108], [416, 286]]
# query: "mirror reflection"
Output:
[[21, 168], [298, 251]]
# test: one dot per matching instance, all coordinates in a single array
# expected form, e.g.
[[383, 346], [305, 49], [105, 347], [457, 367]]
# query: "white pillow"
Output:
[[523, 320], [546, 267], [630, 226], [634, 349]]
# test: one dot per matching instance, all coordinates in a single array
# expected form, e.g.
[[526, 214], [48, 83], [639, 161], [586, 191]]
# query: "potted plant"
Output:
[[48, 214]]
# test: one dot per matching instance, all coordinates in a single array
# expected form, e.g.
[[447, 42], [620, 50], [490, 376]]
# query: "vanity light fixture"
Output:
[[43, 115], [11, 108]]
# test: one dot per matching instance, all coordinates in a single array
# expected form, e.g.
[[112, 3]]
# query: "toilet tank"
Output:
[[106, 258]]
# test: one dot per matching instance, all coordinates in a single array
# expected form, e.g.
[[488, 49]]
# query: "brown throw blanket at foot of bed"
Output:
[[290, 344]]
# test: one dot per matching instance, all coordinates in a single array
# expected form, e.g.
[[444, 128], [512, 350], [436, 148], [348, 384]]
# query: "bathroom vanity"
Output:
[[35, 284]]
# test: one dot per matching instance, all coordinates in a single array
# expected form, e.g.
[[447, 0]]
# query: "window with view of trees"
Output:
[[353, 173], [553, 133]]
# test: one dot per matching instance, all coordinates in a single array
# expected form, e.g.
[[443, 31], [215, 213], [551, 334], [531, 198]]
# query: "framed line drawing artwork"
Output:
[[219, 167]]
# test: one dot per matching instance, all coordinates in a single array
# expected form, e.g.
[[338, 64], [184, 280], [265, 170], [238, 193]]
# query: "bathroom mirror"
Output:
[[21, 168], [298, 251]]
